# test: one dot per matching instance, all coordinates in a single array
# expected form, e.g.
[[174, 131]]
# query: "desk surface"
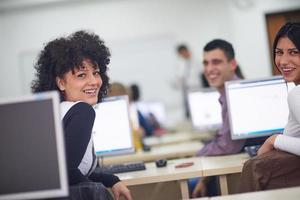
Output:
[[173, 138], [202, 166], [220, 165], [287, 193], [160, 152], [152, 174]]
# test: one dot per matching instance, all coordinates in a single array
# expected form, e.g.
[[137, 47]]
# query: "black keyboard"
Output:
[[122, 168], [252, 150]]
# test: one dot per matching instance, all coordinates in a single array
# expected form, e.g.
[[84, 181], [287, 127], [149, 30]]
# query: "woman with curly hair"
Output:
[[76, 66]]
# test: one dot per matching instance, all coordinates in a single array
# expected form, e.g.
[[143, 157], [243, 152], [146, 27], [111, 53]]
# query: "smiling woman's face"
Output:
[[287, 60], [81, 85]]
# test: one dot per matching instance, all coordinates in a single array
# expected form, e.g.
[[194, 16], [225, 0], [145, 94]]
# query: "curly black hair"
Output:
[[67, 53]]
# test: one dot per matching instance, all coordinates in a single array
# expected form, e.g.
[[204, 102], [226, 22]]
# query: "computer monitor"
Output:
[[32, 153], [112, 132], [157, 108], [257, 107], [205, 109]]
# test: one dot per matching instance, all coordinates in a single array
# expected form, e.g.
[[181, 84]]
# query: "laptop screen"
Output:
[[32, 153], [205, 109], [112, 132], [257, 107]]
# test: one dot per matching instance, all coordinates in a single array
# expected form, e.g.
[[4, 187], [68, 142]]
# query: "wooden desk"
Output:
[[173, 138], [203, 166], [168, 173], [280, 194], [222, 166], [160, 152]]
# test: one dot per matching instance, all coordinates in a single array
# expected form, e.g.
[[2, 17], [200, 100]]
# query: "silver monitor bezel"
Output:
[[227, 85], [129, 150], [211, 127], [63, 190]]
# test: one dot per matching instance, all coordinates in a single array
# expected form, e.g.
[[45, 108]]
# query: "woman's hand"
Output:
[[268, 145], [121, 189]]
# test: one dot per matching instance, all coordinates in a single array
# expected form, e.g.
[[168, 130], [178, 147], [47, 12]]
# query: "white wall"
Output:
[[121, 22], [250, 36]]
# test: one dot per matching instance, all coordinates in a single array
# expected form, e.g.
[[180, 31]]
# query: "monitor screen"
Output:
[[112, 132], [205, 109], [257, 108], [32, 153], [157, 108]]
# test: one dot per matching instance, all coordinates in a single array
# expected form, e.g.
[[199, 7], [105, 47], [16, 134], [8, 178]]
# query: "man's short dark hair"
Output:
[[225, 46], [182, 47]]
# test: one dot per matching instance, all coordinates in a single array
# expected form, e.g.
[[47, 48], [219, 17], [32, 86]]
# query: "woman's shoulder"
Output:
[[78, 106], [295, 92], [296, 89], [294, 97]]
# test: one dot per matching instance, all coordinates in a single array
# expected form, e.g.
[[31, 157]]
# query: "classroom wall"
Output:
[[139, 29]]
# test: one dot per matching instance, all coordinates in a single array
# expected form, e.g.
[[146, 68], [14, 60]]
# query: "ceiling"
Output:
[[14, 5]]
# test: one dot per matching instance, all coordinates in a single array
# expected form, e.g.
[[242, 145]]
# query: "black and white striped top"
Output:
[[78, 120]]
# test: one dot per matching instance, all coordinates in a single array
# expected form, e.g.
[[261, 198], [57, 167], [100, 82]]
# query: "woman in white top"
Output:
[[287, 60], [278, 162]]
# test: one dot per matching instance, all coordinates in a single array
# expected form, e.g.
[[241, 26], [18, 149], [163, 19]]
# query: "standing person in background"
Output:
[[187, 75], [76, 66], [278, 162], [219, 66]]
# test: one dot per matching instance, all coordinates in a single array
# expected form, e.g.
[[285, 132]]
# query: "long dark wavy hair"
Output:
[[67, 53]]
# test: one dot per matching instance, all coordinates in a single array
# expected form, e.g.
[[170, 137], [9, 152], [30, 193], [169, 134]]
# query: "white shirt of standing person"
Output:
[[187, 74]]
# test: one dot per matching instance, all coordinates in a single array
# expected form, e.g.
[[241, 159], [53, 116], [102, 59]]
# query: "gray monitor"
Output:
[[112, 132], [32, 153], [205, 109], [257, 107]]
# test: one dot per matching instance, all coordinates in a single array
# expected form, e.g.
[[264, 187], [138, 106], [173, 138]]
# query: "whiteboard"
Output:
[[150, 63], [27, 59]]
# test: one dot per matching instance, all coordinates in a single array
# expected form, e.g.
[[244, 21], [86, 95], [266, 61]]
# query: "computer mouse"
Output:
[[252, 150], [161, 163]]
